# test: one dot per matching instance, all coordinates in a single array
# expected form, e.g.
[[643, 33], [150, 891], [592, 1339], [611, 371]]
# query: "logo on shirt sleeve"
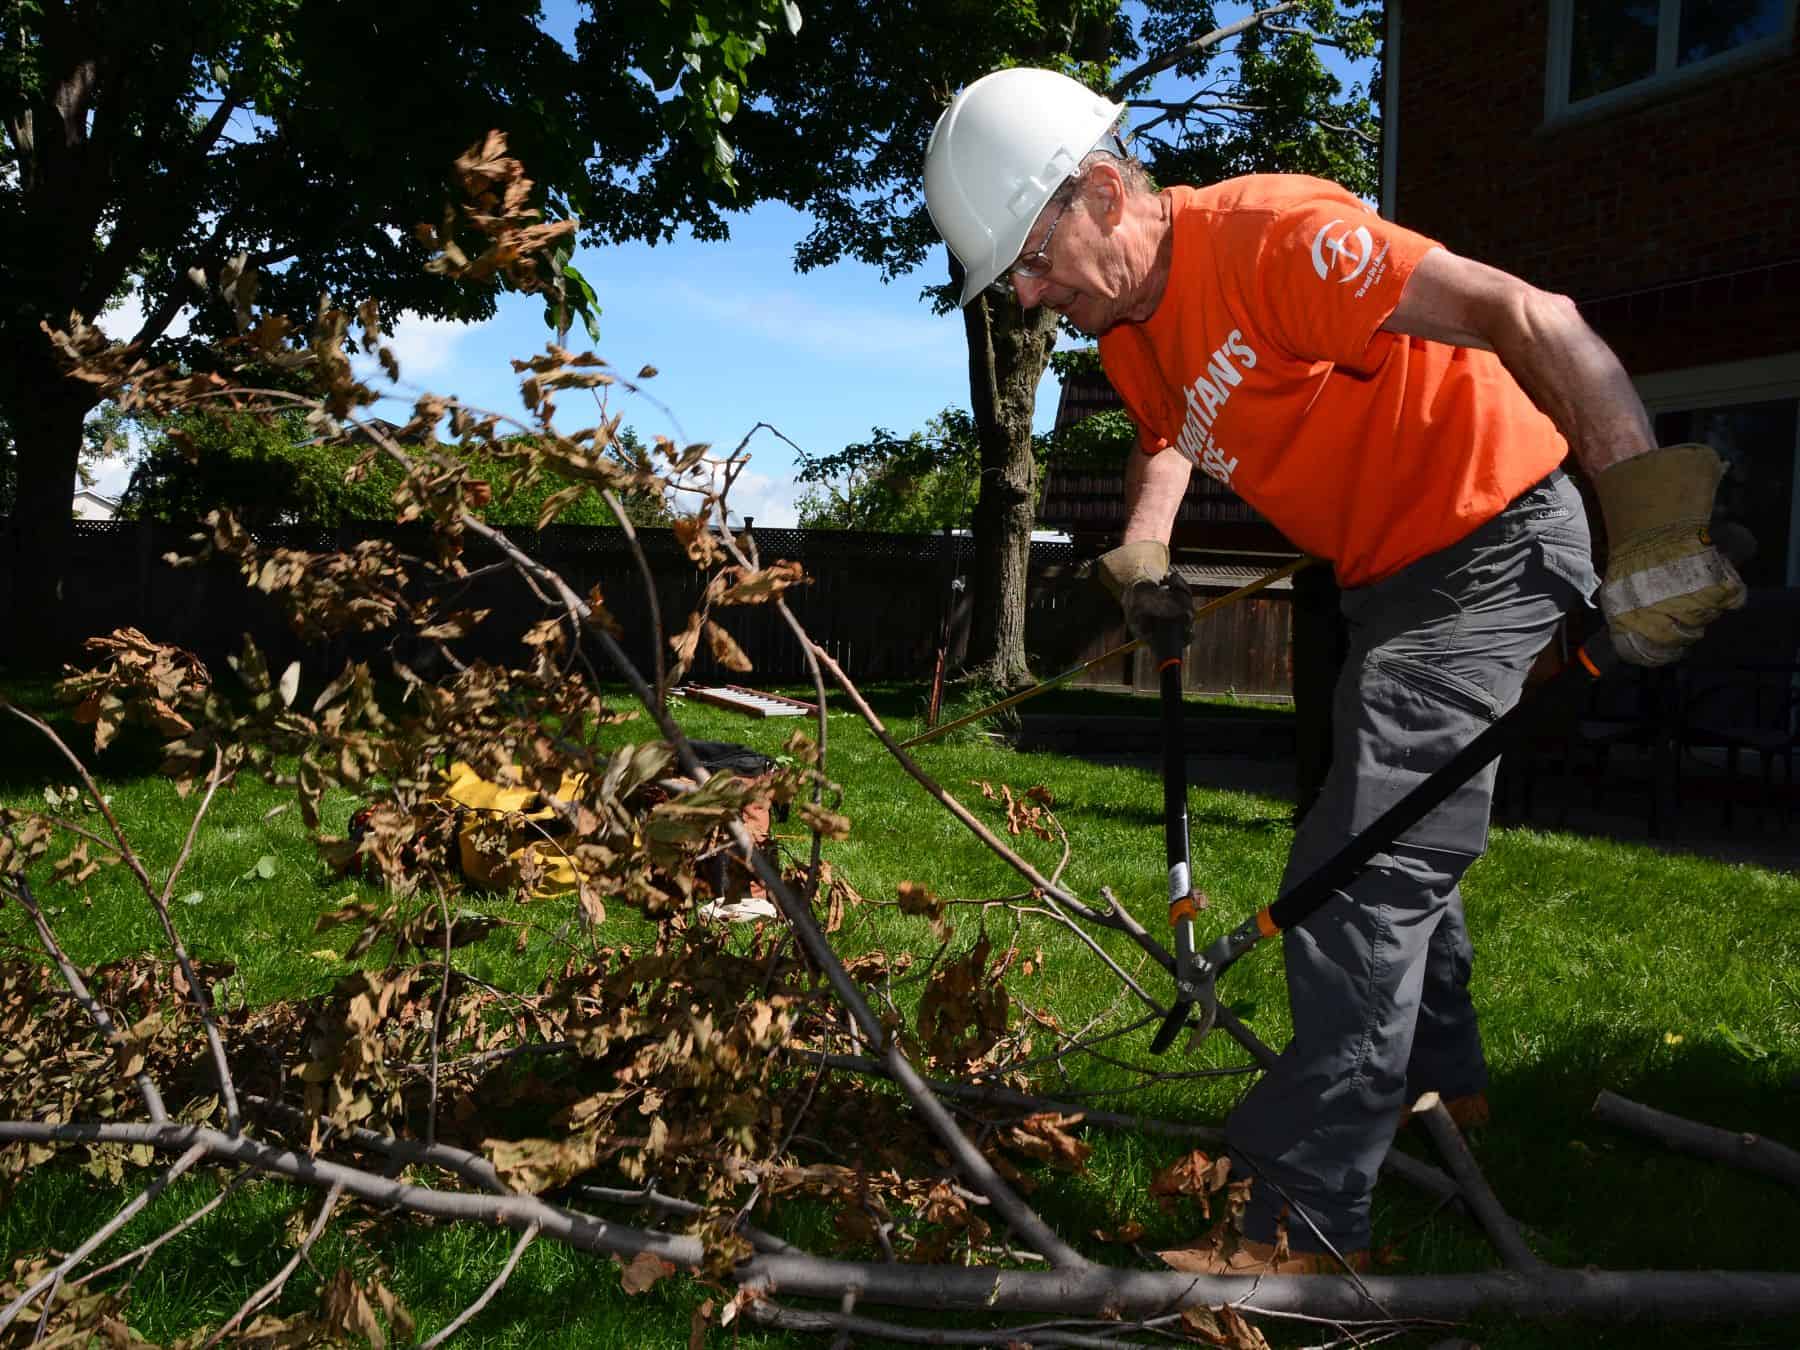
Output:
[[1345, 252]]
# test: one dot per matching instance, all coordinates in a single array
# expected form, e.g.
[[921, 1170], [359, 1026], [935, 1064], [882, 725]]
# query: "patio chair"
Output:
[[1739, 728], [1740, 736]]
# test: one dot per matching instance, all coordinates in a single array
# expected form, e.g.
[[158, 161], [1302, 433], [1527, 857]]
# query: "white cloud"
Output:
[[427, 347], [837, 332], [768, 499]]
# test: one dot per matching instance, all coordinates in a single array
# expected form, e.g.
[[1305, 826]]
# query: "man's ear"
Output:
[[1108, 187]]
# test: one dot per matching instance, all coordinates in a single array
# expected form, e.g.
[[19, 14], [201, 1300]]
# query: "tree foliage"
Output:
[[273, 470], [850, 150], [930, 479], [920, 482], [147, 146]]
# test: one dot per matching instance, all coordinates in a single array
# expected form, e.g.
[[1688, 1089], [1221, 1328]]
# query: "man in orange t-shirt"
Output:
[[1366, 390]]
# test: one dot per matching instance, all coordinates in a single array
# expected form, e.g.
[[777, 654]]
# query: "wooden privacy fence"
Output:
[[877, 602]]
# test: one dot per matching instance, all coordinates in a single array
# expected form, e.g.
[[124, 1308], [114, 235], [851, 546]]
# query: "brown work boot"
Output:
[[1248, 1257], [1470, 1112]]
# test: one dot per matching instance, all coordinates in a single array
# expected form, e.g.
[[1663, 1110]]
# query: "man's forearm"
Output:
[[1572, 374], [1154, 487]]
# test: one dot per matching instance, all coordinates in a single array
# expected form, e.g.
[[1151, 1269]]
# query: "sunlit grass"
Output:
[[1669, 979]]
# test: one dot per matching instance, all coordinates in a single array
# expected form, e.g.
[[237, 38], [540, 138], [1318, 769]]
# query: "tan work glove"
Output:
[[1664, 579], [1138, 577]]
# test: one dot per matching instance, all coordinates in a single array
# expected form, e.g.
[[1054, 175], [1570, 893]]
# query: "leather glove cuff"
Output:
[[1125, 566], [1665, 582], [1661, 492]]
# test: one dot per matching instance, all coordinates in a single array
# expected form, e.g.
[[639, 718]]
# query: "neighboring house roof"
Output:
[[91, 505], [1222, 576], [1082, 396]]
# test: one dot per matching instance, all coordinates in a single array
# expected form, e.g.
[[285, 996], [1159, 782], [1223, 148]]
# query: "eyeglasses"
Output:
[[1037, 262]]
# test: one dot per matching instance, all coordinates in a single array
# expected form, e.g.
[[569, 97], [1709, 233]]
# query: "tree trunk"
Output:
[[1008, 350], [46, 410]]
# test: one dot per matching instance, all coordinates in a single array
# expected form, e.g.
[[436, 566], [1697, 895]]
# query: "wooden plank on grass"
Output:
[[754, 702]]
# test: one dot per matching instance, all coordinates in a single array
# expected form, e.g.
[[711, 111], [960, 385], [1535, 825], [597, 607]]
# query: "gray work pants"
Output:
[[1378, 978]]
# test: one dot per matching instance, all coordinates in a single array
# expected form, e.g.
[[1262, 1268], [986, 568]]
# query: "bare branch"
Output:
[[1176, 55], [146, 1086], [1104, 1335], [143, 1253], [515, 1211], [498, 1283], [1476, 1192], [650, 598], [821, 718], [1022, 1101], [195, 1151], [197, 991], [213, 782], [437, 1017], [278, 1281]]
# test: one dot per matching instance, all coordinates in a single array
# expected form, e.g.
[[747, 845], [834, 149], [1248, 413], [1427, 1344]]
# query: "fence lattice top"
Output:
[[574, 541]]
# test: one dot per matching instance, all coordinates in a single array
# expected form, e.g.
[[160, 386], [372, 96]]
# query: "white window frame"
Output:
[[1666, 76], [1762, 380]]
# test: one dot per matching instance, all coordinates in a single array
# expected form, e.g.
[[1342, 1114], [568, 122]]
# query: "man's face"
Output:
[[1081, 275]]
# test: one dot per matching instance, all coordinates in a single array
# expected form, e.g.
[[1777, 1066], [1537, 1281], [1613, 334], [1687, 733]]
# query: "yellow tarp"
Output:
[[506, 825]]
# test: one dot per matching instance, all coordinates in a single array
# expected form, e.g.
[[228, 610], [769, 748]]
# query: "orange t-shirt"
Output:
[[1265, 365]]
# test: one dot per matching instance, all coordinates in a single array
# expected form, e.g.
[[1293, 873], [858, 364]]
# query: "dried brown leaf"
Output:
[[533, 1165], [725, 649], [1045, 1136], [645, 1269]]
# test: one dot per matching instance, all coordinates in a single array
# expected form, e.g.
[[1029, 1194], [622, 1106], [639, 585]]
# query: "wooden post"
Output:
[[946, 602]]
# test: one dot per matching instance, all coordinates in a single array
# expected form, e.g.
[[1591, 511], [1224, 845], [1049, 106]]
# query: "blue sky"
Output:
[[738, 337]]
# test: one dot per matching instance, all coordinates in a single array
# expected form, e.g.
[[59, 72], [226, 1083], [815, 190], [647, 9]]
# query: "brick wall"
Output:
[[1675, 223]]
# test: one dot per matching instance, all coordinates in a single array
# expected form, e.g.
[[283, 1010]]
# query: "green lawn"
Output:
[[1666, 979]]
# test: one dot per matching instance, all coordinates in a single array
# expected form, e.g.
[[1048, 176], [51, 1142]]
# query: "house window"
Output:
[[1613, 51], [1750, 413]]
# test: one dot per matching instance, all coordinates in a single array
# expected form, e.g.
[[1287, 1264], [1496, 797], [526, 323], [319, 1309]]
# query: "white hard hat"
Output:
[[1001, 149]]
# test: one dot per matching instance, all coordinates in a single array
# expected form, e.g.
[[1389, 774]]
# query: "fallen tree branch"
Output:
[[1750, 1151], [821, 718], [975, 1168], [1476, 1192], [197, 992], [581, 1231], [1023, 1101], [1090, 1290], [1645, 1297], [647, 575], [1037, 1335], [144, 1252], [479, 1172]]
